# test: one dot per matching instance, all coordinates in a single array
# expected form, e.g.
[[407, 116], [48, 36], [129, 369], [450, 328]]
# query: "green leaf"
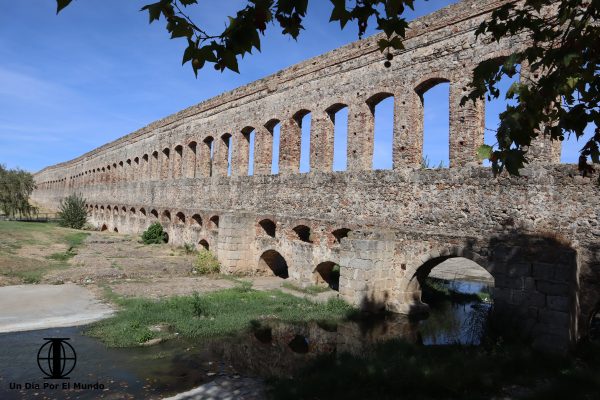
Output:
[[60, 4], [484, 152]]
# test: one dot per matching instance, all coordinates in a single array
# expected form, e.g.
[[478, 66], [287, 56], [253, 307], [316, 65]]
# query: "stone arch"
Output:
[[204, 244], [268, 226], [154, 166], [143, 212], [380, 127], [303, 233], [154, 214], [327, 273], [166, 217], [340, 233], [178, 162], [214, 220], [207, 155], [132, 212], [190, 159], [165, 163], [196, 220], [273, 261], [116, 230], [246, 151], [268, 144], [103, 228], [225, 150], [180, 218]]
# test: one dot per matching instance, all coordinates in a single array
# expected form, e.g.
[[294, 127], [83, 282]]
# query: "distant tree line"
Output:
[[16, 186]]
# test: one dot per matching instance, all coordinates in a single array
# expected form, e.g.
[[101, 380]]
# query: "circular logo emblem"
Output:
[[56, 358]]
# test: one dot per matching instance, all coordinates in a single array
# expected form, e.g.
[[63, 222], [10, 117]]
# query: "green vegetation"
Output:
[[189, 248], [154, 234], [436, 289], [25, 249], [312, 289], [16, 186], [206, 263], [398, 369], [72, 212], [210, 315]]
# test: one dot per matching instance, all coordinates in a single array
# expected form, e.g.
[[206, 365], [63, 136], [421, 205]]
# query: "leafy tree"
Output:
[[563, 100], [154, 234], [16, 186], [72, 212]]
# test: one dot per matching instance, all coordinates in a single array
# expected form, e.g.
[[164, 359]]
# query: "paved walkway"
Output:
[[225, 388], [30, 307]]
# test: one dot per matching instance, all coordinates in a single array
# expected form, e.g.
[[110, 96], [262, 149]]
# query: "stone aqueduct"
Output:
[[538, 235]]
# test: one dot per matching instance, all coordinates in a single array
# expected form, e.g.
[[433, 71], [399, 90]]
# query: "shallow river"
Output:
[[273, 349]]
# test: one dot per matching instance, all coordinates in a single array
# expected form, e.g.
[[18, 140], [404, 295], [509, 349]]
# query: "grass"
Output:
[[398, 369], [312, 289], [217, 314], [23, 244]]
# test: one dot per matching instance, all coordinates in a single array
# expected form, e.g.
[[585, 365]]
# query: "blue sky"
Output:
[[98, 71]]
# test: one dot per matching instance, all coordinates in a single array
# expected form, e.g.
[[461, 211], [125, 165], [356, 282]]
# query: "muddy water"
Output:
[[269, 349]]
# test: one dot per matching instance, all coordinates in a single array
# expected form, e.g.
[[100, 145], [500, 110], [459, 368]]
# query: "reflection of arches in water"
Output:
[[328, 273], [274, 261], [456, 290]]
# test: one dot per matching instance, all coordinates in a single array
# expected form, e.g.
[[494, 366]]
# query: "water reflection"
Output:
[[269, 349]]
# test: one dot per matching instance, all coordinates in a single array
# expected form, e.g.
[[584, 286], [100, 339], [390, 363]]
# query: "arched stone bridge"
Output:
[[538, 235]]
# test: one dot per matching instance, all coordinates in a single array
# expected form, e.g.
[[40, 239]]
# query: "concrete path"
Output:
[[30, 307]]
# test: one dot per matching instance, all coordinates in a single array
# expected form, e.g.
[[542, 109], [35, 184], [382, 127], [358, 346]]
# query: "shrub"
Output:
[[72, 213], [206, 263], [154, 234], [189, 248]]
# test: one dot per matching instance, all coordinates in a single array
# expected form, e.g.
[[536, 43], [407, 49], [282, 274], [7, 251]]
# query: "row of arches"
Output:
[[165, 217], [305, 141], [268, 227]]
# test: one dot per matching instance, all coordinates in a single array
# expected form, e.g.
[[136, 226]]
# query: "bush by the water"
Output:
[[206, 263], [154, 234], [72, 212]]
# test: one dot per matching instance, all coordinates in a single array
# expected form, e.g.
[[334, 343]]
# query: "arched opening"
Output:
[[328, 273], [166, 237], [303, 120], [250, 139], [214, 221], [178, 162], [268, 227], [434, 95], [116, 230], [132, 211], [154, 166], [208, 155], [274, 128], [303, 233], [204, 244], [180, 218], [338, 113], [154, 214], [196, 220], [143, 212], [166, 217], [457, 292], [190, 160], [104, 228], [227, 151], [299, 344], [341, 233], [166, 160], [272, 260], [382, 108]]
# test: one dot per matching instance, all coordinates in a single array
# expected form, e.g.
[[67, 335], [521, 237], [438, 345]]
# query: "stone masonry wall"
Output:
[[538, 235]]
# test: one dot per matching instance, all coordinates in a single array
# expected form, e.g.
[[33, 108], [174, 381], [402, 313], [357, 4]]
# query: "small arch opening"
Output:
[[180, 218], [268, 227], [272, 260], [196, 220], [341, 233], [274, 127], [116, 230], [104, 228], [299, 344], [166, 216], [214, 221], [154, 213], [204, 244], [382, 108], [328, 274], [303, 233]]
